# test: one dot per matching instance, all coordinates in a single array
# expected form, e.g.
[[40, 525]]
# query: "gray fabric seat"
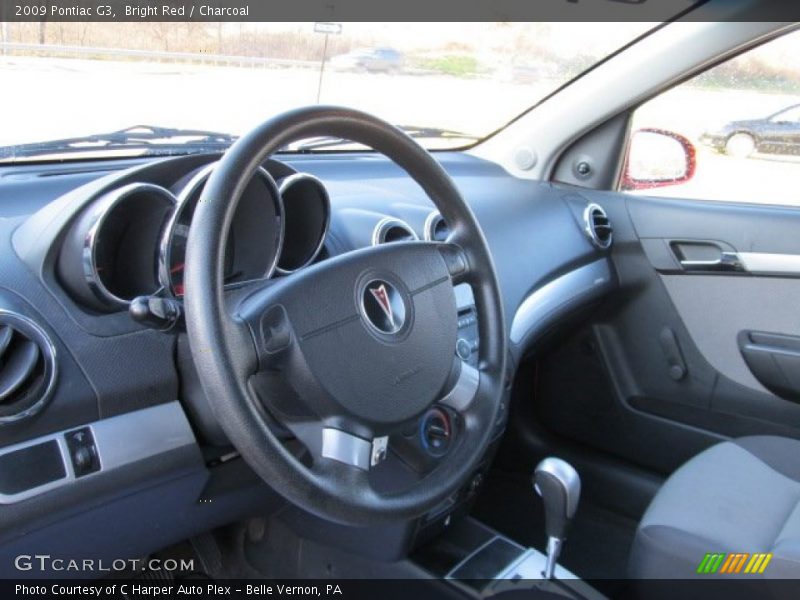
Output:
[[739, 496]]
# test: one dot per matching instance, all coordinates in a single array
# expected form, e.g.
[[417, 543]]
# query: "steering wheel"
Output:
[[348, 351]]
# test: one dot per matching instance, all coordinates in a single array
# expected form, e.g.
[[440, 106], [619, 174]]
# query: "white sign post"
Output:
[[327, 29]]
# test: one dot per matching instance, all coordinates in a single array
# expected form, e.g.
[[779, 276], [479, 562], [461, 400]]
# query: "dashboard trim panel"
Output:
[[541, 304], [120, 441]]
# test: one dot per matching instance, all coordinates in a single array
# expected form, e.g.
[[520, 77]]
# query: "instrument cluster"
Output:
[[131, 241]]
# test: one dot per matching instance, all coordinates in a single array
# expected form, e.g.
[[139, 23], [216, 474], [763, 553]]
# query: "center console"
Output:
[[481, 563]]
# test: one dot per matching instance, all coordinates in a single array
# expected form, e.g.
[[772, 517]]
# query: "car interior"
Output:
[[520, 364]]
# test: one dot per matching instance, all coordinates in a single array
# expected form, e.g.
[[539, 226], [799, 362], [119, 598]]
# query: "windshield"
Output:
[[78, 90]]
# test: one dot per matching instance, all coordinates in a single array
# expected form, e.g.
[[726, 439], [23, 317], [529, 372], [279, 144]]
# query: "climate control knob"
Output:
[[436, 432]]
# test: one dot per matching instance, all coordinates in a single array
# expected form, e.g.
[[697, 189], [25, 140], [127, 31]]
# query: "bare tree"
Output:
[[196, 35], [161, 31], [5, 31], [43, 24], [83, 29]]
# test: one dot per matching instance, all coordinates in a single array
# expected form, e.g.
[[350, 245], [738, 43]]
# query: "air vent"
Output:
[[436, 229], [598, 227], [390, 230], [27, 367]]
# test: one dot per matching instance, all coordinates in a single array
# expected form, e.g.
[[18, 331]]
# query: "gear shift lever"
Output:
[[559, 485]]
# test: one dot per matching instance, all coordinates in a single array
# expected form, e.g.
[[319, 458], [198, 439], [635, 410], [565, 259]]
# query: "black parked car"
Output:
[[779, 133]]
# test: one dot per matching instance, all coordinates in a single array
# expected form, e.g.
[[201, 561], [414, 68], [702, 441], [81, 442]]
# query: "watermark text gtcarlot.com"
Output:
[[46, 562]]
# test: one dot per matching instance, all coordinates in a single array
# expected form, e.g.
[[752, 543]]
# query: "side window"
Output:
[[731, 133]]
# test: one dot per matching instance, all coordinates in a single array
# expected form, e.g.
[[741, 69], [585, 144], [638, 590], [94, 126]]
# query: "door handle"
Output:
[[728, 262]]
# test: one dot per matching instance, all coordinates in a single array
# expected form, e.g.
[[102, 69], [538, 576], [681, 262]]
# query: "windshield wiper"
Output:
[[436, 133], [157, 140], [416, 132], [153, 139]]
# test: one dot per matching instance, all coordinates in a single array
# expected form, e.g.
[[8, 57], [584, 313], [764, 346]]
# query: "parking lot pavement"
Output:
[[760, 179], [72, 97], [67, 97]]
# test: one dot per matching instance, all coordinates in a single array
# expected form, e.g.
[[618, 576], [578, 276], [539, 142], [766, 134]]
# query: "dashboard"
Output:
[[107, 405]]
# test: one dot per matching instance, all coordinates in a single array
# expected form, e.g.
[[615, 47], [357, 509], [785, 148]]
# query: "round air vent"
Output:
[[436, 229], [390, 230], [27, 367], [597, 226]]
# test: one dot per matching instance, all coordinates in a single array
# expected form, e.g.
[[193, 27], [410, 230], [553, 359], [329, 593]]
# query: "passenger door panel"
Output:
[[692, 352], [734, 269]]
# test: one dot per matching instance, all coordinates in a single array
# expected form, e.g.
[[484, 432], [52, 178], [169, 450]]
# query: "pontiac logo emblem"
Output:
[[382, 296], [383, 307]]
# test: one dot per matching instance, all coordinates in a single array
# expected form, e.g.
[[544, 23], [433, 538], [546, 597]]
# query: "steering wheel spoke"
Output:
[[328, 443], [467, 380], [457, 262], [347, 479], [331, 437], [350, 449]]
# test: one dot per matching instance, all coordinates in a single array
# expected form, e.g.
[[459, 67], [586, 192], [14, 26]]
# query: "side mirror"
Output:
[[658, 158]]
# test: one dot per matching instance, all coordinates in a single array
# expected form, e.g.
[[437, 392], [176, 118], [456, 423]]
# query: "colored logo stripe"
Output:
[[710, 563], [758, 563], [733, 563]]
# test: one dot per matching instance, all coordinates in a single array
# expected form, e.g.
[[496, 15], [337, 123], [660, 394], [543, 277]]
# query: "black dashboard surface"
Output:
[[533, 230]]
